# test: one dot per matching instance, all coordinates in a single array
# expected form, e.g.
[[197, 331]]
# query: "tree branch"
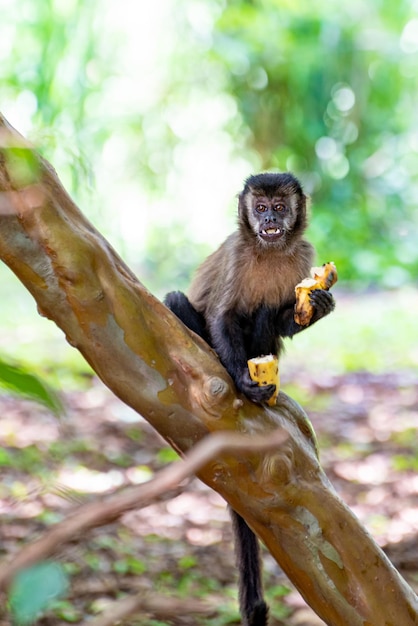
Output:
[[153, 363]]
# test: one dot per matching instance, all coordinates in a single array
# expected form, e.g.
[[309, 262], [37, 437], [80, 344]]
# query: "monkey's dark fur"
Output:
[[241, 302]]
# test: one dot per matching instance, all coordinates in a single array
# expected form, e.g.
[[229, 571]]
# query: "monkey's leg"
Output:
[[228, 341], [253, 608], [178, 302], [263, 339]]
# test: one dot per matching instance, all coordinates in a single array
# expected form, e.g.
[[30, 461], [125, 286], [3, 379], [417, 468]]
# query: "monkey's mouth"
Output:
[[272, 233]]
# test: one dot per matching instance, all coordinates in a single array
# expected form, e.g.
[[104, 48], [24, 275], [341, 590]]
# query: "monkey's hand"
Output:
[[309, 309], [323, 303], [251, 389], [265, 371]]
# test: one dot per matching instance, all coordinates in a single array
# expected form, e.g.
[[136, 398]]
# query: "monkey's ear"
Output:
[[241, 204], [244, 202], [245, 212]]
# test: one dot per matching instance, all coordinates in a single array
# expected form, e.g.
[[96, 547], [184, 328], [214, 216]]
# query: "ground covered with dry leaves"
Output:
[[367, 430]]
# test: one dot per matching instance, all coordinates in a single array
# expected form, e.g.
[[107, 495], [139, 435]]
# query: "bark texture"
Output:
[[172, 378]]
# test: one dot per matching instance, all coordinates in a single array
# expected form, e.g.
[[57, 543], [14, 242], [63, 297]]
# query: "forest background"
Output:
[[153, 115]]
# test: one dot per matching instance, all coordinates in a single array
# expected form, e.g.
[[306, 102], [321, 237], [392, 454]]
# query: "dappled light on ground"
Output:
[[367, 429]]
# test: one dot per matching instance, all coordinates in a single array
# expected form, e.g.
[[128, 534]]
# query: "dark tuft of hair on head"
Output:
[[269, 182]]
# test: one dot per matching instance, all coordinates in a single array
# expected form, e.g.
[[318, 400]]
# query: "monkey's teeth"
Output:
[[272, 231]]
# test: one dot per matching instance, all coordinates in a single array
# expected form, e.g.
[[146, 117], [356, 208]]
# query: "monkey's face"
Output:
[[272, 208], [272, 219]]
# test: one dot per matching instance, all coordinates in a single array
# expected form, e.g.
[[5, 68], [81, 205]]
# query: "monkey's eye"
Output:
[[279, 207], [261, 208]]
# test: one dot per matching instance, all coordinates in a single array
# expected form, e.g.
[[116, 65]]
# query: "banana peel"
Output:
[[322, 277], [264, 370]]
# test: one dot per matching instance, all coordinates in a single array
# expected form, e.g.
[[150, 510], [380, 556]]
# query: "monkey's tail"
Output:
[[259, 615], [254, 610]]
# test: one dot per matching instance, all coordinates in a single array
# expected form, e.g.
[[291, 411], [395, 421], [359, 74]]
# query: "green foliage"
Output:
[[188, 561], [334, 103], [5, 458], [167, 455], [66, 611], [34, 589], [403, 462], [15, 378], [326, 89], [171, 263], [29, 459], [129, 565]]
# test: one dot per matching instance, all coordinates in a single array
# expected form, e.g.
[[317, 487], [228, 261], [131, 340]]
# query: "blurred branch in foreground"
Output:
[[163, 486]]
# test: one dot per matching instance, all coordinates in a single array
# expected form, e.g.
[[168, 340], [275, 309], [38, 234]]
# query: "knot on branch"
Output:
[[279, 465], [211, 394], [215, 388]]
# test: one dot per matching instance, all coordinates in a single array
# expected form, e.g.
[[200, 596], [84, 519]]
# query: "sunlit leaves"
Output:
[[189, 89], [335, 104]]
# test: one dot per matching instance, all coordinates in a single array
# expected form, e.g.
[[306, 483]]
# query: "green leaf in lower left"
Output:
[[34, 589]]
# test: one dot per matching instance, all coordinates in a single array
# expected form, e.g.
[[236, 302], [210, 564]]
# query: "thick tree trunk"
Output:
[[154, 364]]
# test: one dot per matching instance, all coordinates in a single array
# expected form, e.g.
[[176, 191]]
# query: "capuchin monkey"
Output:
[[241, 302]]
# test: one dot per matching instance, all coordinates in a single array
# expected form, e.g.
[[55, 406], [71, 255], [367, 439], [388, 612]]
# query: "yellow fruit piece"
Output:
[[264, 370], [303, 307], [323, 277]]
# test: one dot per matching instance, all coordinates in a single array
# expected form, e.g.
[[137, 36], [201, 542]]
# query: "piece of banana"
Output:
[[323, 277], [264, 370]]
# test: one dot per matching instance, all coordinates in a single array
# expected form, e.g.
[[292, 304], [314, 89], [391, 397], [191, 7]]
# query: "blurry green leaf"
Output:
[[405, 462], [34, 589], [93, 561], [136, 566], [66, 611], [29, 459], [5, 458], [121, 566], [134, 433], [23, 166], [15, 378], [167, 455], [188, 561], [129, 565], [279, 591]]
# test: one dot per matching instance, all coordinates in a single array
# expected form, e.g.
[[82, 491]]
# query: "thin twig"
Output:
[[159, 606], [106, 510]]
